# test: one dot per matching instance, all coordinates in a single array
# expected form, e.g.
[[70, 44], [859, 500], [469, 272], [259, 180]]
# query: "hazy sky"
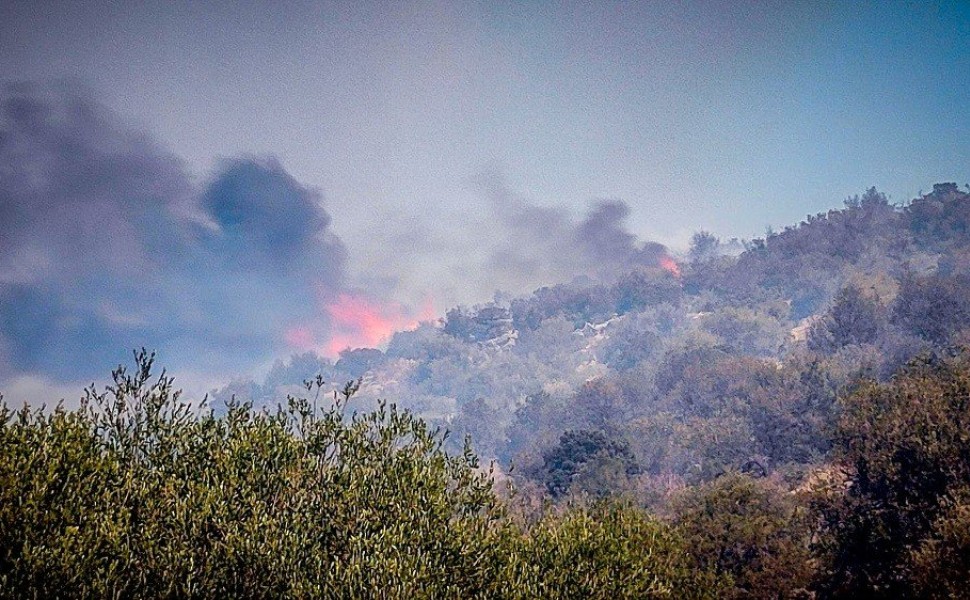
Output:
[[417, 129]]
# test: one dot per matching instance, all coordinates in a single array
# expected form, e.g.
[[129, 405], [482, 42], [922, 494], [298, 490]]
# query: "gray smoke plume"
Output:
[[547, 245], [106, 244]]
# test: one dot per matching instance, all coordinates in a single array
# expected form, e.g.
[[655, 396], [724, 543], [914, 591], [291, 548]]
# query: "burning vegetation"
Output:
[[787, 422]]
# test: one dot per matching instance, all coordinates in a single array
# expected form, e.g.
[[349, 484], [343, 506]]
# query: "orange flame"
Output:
[[668, 264], [358, 322]]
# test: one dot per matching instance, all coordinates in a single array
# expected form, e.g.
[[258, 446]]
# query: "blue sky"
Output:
[[413, 125]]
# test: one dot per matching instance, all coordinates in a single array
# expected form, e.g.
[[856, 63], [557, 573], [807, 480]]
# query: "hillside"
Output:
[[729, 359], [787, 422]]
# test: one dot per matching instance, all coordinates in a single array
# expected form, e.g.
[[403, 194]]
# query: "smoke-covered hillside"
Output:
[[787, 422], [722, 360]]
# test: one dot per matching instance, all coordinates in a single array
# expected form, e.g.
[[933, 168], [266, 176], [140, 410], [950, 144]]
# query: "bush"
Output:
[[608, 551], [134, 495], [750, 531], [941, 565], [905, 450], [138, 495], [591, 461]]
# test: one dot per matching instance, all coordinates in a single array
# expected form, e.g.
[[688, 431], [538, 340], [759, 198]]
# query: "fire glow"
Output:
[[357, 321], [668, 264]]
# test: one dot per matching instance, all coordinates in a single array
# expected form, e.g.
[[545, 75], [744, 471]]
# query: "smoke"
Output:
[[495, 240], [107, 244], [268, 222], [613, 250], [357, 321], [543, 245]]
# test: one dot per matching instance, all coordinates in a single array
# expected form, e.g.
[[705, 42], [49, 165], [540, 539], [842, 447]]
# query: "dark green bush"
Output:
[[903, 450], [751, 531]]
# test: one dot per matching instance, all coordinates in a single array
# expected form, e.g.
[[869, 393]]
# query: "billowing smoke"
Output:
[[546, 245], [493, 239], [107, 244]]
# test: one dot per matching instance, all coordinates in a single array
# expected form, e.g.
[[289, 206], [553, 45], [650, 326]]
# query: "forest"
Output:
[[784, 417]]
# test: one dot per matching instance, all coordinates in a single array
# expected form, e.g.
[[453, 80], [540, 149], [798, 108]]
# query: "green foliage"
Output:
[[941, 219], [750, 531], [905, 447], [590, 461], [934, 307], [703, 247], [941, 564], [137, 495], [804, 265], [607, 551], [746, 331], [579, 303], [639, 289], [715, 412], [853, 319]]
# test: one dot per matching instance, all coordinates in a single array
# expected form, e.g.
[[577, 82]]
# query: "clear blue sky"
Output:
[[728, 116]]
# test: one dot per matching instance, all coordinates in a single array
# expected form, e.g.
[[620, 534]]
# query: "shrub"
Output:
[[135, 495], [138, 495], [750, 531], [607, 551], [905, 448]]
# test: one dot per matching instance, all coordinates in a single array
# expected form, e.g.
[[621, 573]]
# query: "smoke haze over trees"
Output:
[[89, 206], [485, 300], [107, 240], [787, 408]]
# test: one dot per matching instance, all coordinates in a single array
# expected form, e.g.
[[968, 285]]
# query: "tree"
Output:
[[933, 307], [608, 551], [905, 449], [136, 495], [356, 362], [639, 289], [748, 530], [941, 564], [588, 460], [703, 247], [940, 219], [853, 319], [746, 331]]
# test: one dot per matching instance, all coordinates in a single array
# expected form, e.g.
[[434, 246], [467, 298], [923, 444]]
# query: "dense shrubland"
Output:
[[137, 495], [753, 345], [790, 421]]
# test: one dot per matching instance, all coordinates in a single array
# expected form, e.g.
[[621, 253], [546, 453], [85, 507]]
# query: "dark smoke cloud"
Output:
[[531, 242], [106, 244], [612, 248], [268, 221]]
